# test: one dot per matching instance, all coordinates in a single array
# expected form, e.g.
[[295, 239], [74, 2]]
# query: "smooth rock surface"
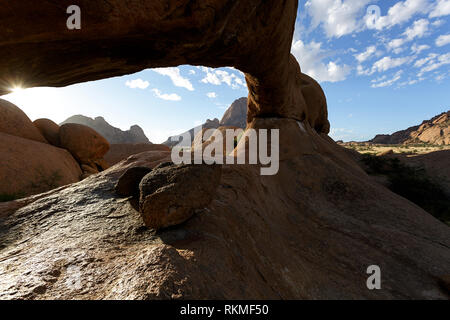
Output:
[[15, 122], [49, 129], [28, 167], [84, 143]]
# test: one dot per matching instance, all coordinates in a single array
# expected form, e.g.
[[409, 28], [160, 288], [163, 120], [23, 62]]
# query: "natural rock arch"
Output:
[[121, 37]]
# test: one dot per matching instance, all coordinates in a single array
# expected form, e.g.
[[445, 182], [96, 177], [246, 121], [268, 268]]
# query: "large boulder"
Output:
[[317, 104], [119, 152], [128, 184], [49, 129], [84, 143], [15, 122], [171, 194], [29, 167]]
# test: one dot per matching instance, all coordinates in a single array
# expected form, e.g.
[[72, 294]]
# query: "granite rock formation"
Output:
[[236, 114], [167, 33], [310, 231], [15, 122]]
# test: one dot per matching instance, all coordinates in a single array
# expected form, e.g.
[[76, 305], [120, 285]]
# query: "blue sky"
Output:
[[384, 66]]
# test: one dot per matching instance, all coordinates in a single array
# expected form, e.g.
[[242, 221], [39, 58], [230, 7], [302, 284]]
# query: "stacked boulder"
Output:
[[86, 145], [40, 156]]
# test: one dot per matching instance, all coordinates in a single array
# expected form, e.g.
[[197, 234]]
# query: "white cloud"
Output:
[[211, 95], [399, 13], [418, 49], [417, 30], [442, 8], [387, 63], [438, 23], [396, 43], [218, 77], [389, 82], [311, 57], [341, 133], [363, 56], [434, 63], [165, 96], [361, 71], [419, 63], [443, 40], [137, 83], [191, 71], [174, 74], [338, 17]]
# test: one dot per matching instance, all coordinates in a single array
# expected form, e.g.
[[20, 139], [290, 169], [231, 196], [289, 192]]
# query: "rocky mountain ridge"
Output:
[[234, 116], [433, 131], [112, 134]]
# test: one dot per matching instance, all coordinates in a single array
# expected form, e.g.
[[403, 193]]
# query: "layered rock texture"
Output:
[[310, 231], [433, 131], [112, 134]]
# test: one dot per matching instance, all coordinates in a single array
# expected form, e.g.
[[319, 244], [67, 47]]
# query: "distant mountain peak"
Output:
[[235, 116], [112, 134], [433, 131]]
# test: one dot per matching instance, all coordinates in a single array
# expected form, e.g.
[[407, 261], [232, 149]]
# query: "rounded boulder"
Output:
[[15, 122], [84, 143], [29, 167], [49, 130]]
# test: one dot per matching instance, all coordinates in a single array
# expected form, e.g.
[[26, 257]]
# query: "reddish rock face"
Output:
[[119, 152], [15, 122], [29, 167], [49, 130], [118, 38], [84, 143]]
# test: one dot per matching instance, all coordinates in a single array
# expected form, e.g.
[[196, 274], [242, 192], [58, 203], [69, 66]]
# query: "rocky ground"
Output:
[[309, 232]]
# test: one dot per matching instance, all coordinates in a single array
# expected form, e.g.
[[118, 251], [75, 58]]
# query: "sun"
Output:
[[17, 89]]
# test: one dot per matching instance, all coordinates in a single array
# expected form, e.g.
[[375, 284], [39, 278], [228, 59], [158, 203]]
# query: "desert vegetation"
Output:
[[412, 183]]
